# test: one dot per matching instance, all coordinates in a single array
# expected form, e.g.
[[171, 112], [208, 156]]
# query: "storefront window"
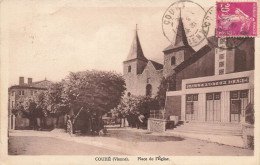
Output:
[[209, 96], [243, 94], [216, 96], [234, 95]]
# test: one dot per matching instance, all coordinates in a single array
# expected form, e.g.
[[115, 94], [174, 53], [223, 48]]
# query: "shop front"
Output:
[[219, 98]]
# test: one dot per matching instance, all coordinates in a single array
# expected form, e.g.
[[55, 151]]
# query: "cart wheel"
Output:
[[70, 127]]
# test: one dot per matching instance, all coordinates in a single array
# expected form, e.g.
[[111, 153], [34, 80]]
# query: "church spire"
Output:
[[181, 39], [136, 51]]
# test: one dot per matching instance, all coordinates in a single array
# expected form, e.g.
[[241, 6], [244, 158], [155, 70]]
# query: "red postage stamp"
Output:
[[236, 19]]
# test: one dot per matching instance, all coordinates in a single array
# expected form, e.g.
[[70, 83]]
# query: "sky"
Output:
[[49, 39]]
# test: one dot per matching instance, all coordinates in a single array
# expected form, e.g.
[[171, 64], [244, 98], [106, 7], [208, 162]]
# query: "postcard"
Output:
[[129, 82]]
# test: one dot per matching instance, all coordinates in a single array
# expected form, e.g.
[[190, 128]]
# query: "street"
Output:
[[25, 145], [118, 141]]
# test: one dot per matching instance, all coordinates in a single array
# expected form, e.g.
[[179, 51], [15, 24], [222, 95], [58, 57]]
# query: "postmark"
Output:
[[236, 19], [191, 14]]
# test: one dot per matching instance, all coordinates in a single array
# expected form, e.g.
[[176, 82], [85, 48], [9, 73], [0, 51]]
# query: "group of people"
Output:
[[136, 120]]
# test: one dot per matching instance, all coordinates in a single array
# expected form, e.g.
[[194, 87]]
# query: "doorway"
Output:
[[192, 107], [213, 108], [238, 103]]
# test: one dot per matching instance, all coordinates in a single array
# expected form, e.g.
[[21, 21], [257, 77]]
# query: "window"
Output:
[[209, 96], [13, 93], [217, 96], [221, 64], [12, 104], [188, 97], [244, 94], [129, 68], [148, 90], [213, 96], [195, 97], [192, 97], [128, 94], [221, 71], [148, 80], [222, 41], [21, 93], [32, 93], [234, 95], [221, 56], [173, 60]]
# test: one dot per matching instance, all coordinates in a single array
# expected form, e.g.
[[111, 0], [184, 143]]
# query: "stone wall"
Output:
[[136, 84], [49, 122], [156, 125], [248, 135]]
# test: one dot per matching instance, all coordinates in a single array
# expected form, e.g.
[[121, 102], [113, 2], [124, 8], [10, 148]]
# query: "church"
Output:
[[211, 85], [143, 76]]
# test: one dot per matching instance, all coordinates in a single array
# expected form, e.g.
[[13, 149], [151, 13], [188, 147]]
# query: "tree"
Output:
[[167, 84], [96, 91], [55, 103], [32, 110], [133, 106]]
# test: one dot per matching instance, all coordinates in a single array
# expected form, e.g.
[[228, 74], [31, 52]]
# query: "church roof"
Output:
[[136, 51], [197, 55], [157, 65], [181, 39]]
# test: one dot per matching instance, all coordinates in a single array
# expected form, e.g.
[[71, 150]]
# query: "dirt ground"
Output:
[[23, 145], [116, 142]]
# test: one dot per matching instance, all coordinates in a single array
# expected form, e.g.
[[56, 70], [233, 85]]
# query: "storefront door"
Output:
[[213, 109], [238, 103], [235, 110], [192, 107]]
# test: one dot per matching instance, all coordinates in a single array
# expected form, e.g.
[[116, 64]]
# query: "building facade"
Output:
[[143, 76], [211, 85], [17, 94], [215, 85]]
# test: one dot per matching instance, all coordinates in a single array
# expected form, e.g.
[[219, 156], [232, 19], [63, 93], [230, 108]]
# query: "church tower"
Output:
[[178, 52], [135, 61]]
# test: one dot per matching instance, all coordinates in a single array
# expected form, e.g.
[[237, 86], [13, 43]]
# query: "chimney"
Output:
[[29, 80], [21, 80]]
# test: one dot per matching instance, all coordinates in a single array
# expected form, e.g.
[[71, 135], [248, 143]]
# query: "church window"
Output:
[[149, 90], [148, 80], [129, 68], [173, 60], [128, 94]]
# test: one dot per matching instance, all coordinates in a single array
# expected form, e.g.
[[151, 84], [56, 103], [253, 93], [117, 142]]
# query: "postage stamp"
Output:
[[236, 19]]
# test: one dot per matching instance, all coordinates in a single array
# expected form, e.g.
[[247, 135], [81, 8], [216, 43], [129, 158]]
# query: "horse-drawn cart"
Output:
[[84, 122]]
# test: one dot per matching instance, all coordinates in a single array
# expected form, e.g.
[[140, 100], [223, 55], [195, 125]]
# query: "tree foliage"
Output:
[[167, 84], [135, 105], [250, 114], [55, 102], [95, 91]]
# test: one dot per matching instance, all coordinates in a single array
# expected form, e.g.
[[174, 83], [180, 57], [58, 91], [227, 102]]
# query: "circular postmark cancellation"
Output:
[[191, 15], [209, 22]]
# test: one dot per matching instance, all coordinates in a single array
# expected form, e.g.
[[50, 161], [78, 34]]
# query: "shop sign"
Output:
[[240, 80]]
